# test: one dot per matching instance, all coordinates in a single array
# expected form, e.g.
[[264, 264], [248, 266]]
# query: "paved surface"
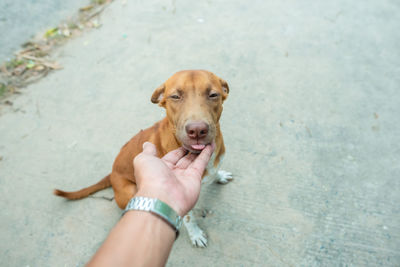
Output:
[[21, 19], [311, 128]]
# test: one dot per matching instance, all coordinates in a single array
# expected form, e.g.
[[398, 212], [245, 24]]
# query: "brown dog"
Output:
[[193, 102]]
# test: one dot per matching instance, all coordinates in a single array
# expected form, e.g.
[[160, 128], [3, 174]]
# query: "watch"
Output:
[[157, 207]]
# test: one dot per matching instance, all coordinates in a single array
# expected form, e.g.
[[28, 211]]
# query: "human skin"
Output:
[[141, 238]]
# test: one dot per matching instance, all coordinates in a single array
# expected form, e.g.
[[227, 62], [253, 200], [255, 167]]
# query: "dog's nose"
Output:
[[196, 130]]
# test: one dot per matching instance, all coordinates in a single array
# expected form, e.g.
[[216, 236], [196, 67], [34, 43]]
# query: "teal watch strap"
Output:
[[157, 207]]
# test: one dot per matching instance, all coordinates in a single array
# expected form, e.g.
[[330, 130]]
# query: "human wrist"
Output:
[[158, 208], [161, 195], [152, 222]]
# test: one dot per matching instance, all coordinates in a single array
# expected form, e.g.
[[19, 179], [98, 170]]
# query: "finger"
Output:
[[175, 155], [200, 163], [149, 148], [184, 162]]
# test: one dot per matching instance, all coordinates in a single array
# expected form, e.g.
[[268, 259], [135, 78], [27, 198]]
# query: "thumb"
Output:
[[149, 148]]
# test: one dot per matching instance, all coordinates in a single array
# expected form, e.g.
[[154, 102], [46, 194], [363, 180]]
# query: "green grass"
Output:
[[14, 63], [3, 89], [98, 2]]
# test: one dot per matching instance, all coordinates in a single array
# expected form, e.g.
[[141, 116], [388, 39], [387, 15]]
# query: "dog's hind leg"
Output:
[[124, 190]]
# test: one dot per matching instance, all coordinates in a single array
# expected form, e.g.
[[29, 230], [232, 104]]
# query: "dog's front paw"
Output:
[[198, 237], [224, 177]]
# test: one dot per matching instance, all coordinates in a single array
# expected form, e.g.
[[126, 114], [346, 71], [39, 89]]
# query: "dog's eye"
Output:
[[213, 95], [176, 97]]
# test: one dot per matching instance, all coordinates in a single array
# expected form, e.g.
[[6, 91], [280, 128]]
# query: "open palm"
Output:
[[174, 179]]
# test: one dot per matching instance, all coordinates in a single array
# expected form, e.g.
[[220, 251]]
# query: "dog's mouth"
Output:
[[194, 148]]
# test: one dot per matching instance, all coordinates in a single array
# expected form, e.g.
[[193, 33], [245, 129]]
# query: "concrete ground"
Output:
[[311, 128], [20, 19]]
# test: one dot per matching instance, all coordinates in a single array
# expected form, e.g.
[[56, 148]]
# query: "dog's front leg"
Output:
[[197, 236], [214, 174], [224, 177]]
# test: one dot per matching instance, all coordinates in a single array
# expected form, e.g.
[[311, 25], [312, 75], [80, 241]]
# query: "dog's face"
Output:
[[193, 101]]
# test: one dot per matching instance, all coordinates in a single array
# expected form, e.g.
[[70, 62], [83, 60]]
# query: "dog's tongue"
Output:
[[198, 147]]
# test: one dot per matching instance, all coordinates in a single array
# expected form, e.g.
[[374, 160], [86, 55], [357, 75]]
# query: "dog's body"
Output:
[[193, 101]]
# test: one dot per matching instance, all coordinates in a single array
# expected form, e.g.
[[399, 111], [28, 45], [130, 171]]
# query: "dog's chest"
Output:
[[212, 169]]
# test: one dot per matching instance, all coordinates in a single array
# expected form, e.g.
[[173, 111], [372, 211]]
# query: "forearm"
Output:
[[139, 239]]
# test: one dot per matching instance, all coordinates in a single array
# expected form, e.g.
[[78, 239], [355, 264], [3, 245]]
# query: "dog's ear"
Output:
[[158, 94], [225, 88]]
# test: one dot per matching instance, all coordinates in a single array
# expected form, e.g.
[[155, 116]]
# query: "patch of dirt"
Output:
[[34, 61]]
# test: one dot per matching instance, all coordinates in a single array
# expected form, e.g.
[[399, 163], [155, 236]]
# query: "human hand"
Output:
[[174, 179]]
